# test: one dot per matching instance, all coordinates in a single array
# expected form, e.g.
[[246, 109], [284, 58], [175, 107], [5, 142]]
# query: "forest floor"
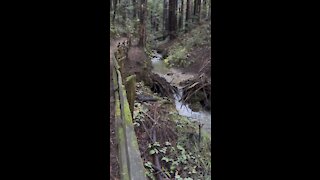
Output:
[[199, 54], [135, 63]]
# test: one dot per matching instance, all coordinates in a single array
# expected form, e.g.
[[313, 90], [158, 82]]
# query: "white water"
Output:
[[177, 76]]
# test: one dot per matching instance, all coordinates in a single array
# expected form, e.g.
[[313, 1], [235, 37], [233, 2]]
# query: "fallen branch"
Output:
[[145, 128], [156, 159], [186, 97], [204, 66], [159, 170], [150, 117]]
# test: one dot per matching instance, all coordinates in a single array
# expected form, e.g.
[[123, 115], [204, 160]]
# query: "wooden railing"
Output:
[[131, 164]]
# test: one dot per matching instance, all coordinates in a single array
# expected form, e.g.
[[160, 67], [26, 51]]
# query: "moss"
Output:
[[127, 112], [129, 78], [135, 142], [124, 170]]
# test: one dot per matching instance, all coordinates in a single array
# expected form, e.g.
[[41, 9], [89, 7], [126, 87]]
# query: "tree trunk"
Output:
[[165, 18], [134, 8], [115, 10], [181, 16], [209, 11], [172, 19], [195, 4], [187, 15], [143, 7], [199, 10], [205, 5], [124, 12]]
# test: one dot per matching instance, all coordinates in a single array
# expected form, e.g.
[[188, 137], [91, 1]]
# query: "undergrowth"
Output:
[[182, 152], [196, 38]]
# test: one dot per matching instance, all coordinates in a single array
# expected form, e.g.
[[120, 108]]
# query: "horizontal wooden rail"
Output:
[[131, 164]]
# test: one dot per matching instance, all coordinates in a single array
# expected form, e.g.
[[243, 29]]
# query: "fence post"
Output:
[[131, 91]]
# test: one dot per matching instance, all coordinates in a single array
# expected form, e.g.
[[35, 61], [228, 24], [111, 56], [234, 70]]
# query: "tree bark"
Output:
[[199, 10], [165, 18], [209, 10], [134, 8], [187, 15], [181, 16], [172, 19], [143, 7], [115, 10], [205, 7]]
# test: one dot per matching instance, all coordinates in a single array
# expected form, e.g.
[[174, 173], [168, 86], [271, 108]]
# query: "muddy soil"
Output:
[[136, 62], [201, 58]]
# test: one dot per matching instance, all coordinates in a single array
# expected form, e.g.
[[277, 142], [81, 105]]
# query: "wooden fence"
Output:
[[131, 164]]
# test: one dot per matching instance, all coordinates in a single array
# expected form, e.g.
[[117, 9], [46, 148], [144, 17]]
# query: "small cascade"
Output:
[[160, 68]]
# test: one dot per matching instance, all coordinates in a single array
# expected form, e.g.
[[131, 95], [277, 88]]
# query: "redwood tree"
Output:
[[181, 15], [143, 13], [172, 18], [165, 18], [134, 8], [187, 14]]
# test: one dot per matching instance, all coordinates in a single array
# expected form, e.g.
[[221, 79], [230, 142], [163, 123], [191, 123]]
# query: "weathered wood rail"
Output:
[[131, 164]]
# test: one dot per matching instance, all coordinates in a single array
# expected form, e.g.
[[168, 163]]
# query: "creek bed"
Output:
[[174, 77]]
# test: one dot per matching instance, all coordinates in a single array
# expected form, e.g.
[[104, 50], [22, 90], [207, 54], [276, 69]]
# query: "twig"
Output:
[[195, 91], [145, 128], [149, 117], [205, 95], [204, 66], [156, 159], [159, 170]]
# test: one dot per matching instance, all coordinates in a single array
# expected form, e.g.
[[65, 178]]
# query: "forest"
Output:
[[160, 89]]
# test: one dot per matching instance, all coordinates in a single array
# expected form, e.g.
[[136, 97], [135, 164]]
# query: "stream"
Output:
[[174, 77]]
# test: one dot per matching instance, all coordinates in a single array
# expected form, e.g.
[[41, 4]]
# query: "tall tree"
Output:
[[209, 10], [205, 5], [195, 8], [187, 14], [172, 18], [124, 8], [115, 10], [165, 18], [143, 13], [134, 2], [199, 10], [181, 13]]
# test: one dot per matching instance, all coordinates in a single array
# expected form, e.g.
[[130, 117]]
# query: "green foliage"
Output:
[[178, 53], [149, 170], [138, 113], [182, 158], [187, 159], [121, 26], [178, 57]]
